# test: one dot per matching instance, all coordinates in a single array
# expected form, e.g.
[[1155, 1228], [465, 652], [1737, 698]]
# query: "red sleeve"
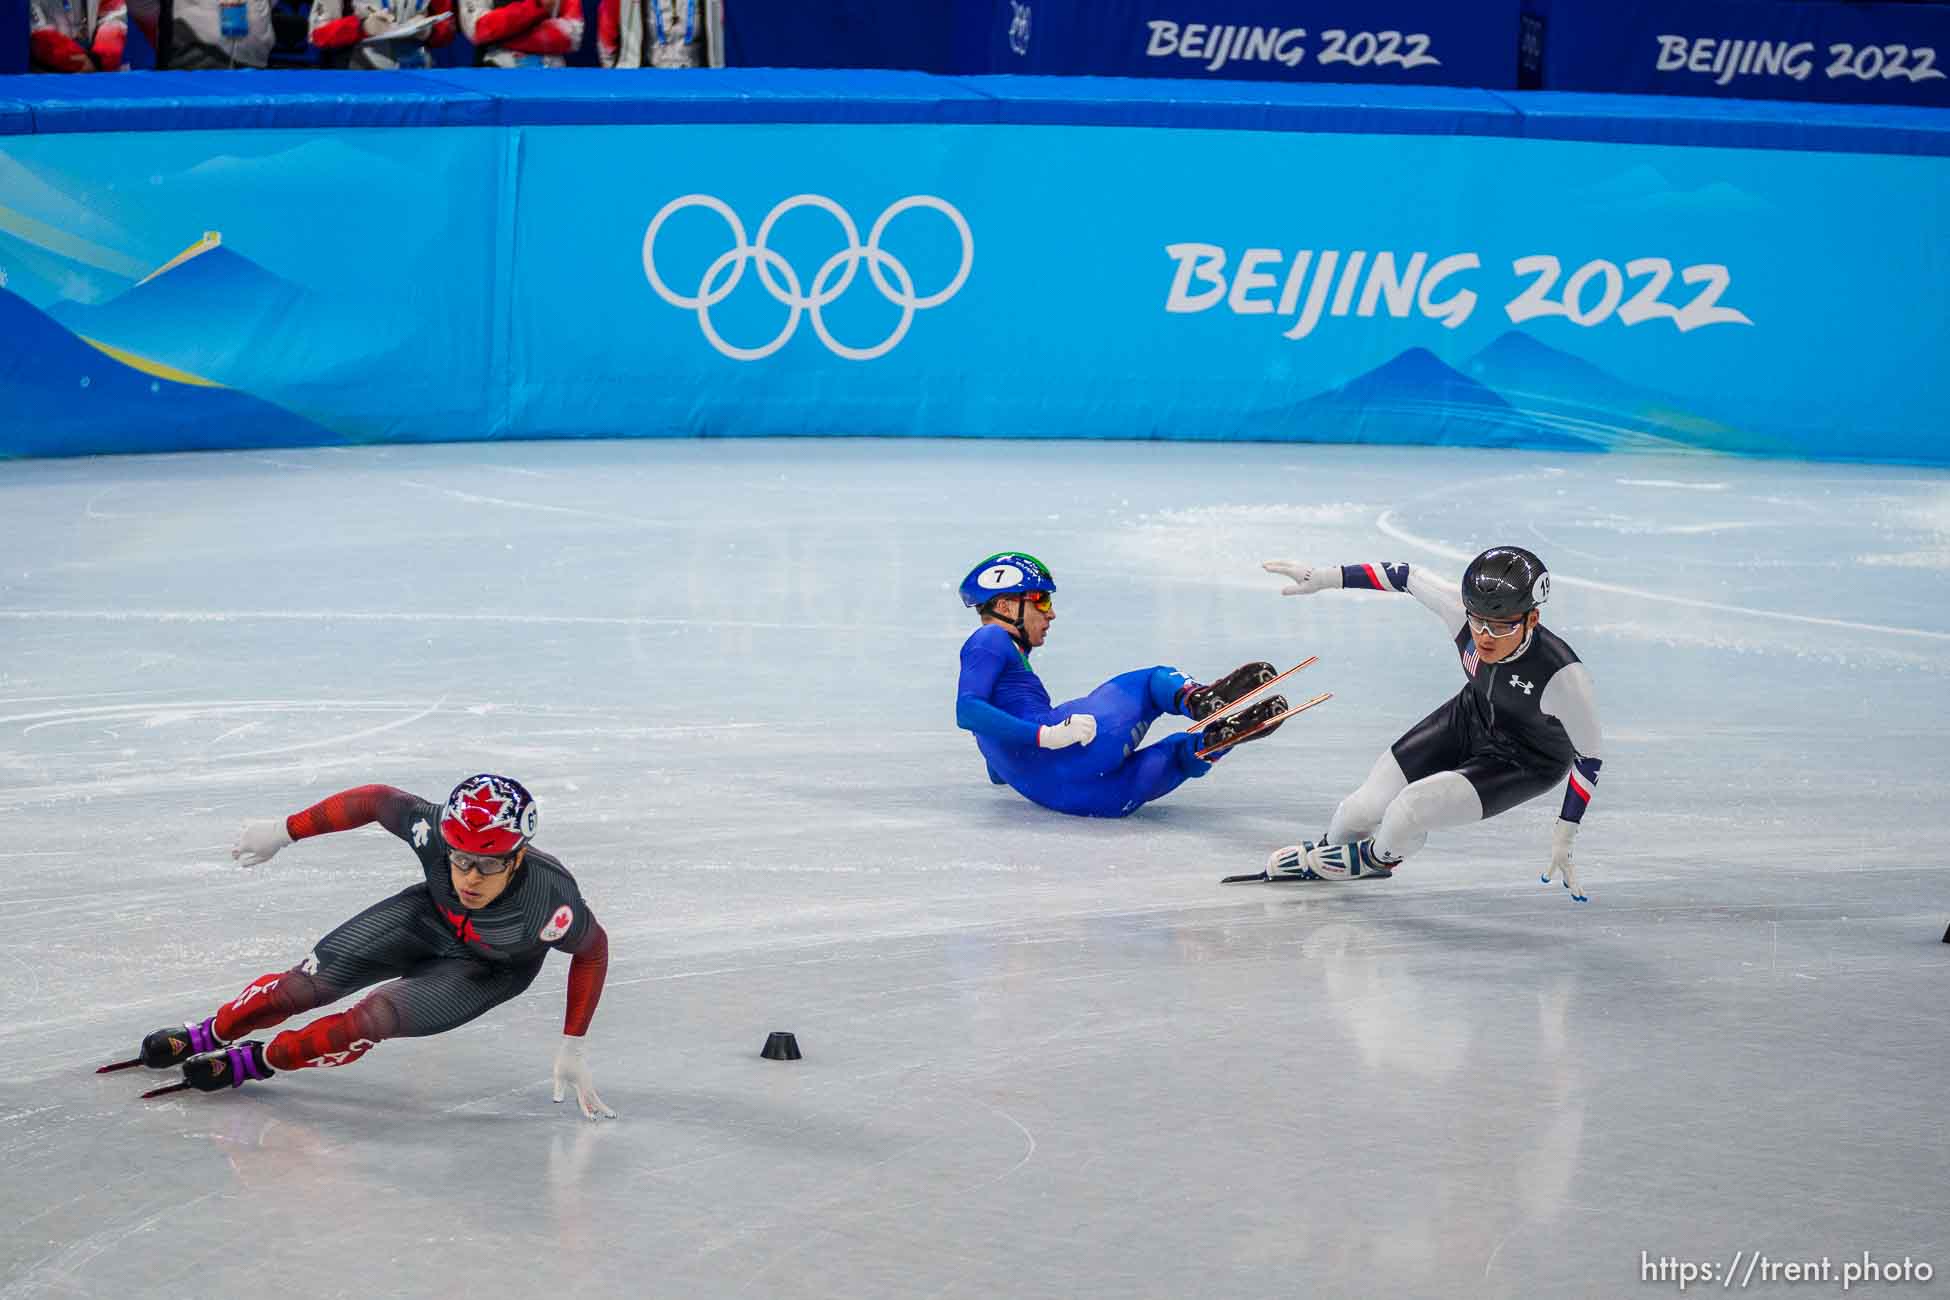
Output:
[[586, 971], [338, 33], [497, 25], [346, 809], [443, 33], [53, 50], [609, 34], [108, 46], [558, 35]]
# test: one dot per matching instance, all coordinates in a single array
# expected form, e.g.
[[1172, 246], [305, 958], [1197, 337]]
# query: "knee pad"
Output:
[[1355, 818], [1443, 800], [375, 1017], [1412, 809]]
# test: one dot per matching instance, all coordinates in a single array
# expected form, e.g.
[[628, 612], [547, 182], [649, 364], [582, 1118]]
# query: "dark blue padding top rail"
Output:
[[203, 101]]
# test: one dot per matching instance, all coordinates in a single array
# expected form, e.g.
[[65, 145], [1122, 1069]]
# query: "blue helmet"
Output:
[[1006, 573]]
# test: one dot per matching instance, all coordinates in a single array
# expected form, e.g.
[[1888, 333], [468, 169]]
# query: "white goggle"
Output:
[[1483, 627]]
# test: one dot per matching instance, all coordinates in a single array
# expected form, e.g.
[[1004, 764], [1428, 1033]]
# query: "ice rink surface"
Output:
[[1045, 1057]]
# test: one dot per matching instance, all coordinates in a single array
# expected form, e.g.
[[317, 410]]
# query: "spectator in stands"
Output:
[[84, 36], [522, 33], [650, 33], [220, 34], [381, 33]]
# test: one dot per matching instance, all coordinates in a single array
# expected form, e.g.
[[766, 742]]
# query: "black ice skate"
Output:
[[1248, 724], [1201, 702], [170, 1046], [178, 1043], [230, 1067]]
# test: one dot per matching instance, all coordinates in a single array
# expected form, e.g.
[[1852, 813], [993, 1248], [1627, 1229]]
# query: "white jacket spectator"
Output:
[[221, 34], [651, 33]]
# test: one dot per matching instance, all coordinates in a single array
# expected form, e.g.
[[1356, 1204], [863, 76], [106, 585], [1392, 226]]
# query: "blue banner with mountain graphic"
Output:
[[243, 288], [1101, 282], [240, 288]]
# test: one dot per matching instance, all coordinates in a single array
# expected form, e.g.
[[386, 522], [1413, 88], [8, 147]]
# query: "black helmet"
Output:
[[1505, 583]]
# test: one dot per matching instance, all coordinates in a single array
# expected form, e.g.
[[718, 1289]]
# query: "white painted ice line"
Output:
[[1386, 523]]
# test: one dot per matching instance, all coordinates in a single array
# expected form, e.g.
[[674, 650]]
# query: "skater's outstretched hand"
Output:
[[1077, 729], [1562, 868], [572, 1071], [1307, 578], [259, 841]]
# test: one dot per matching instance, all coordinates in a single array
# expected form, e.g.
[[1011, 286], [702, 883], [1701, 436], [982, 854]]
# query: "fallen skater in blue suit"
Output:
[[1082, 756]]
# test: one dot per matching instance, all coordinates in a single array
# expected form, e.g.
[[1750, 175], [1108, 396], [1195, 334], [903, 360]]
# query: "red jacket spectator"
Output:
[[522, 33], [382, 33]]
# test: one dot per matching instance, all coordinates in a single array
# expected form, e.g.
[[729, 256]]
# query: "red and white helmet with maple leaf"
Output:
[[489, 815]]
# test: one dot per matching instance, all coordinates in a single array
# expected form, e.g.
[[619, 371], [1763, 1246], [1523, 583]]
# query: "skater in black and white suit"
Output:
[[1525, 719]]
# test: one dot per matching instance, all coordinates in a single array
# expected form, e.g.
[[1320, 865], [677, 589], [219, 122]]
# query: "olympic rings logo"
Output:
[[832, 279]]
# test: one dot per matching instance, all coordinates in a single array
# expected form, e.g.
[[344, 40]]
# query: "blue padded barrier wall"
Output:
[[584, 253]]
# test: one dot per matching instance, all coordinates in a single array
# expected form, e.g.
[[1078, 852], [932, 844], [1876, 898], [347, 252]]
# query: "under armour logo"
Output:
[[1521, 684], [420, 832]]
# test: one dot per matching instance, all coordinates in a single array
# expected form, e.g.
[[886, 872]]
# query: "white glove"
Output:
[[572, 1071], [1077, 729], [259, 841], [1307, 578], [1562, 868]]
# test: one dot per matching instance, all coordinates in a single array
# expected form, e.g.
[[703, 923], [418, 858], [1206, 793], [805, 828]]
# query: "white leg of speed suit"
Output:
[[1361, 811], [1433, 803]]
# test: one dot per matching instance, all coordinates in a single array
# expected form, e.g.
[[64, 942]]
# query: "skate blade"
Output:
[[1268, 878], [1246, 700], [1267, 725], [164, 1092], [118, 1065]]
